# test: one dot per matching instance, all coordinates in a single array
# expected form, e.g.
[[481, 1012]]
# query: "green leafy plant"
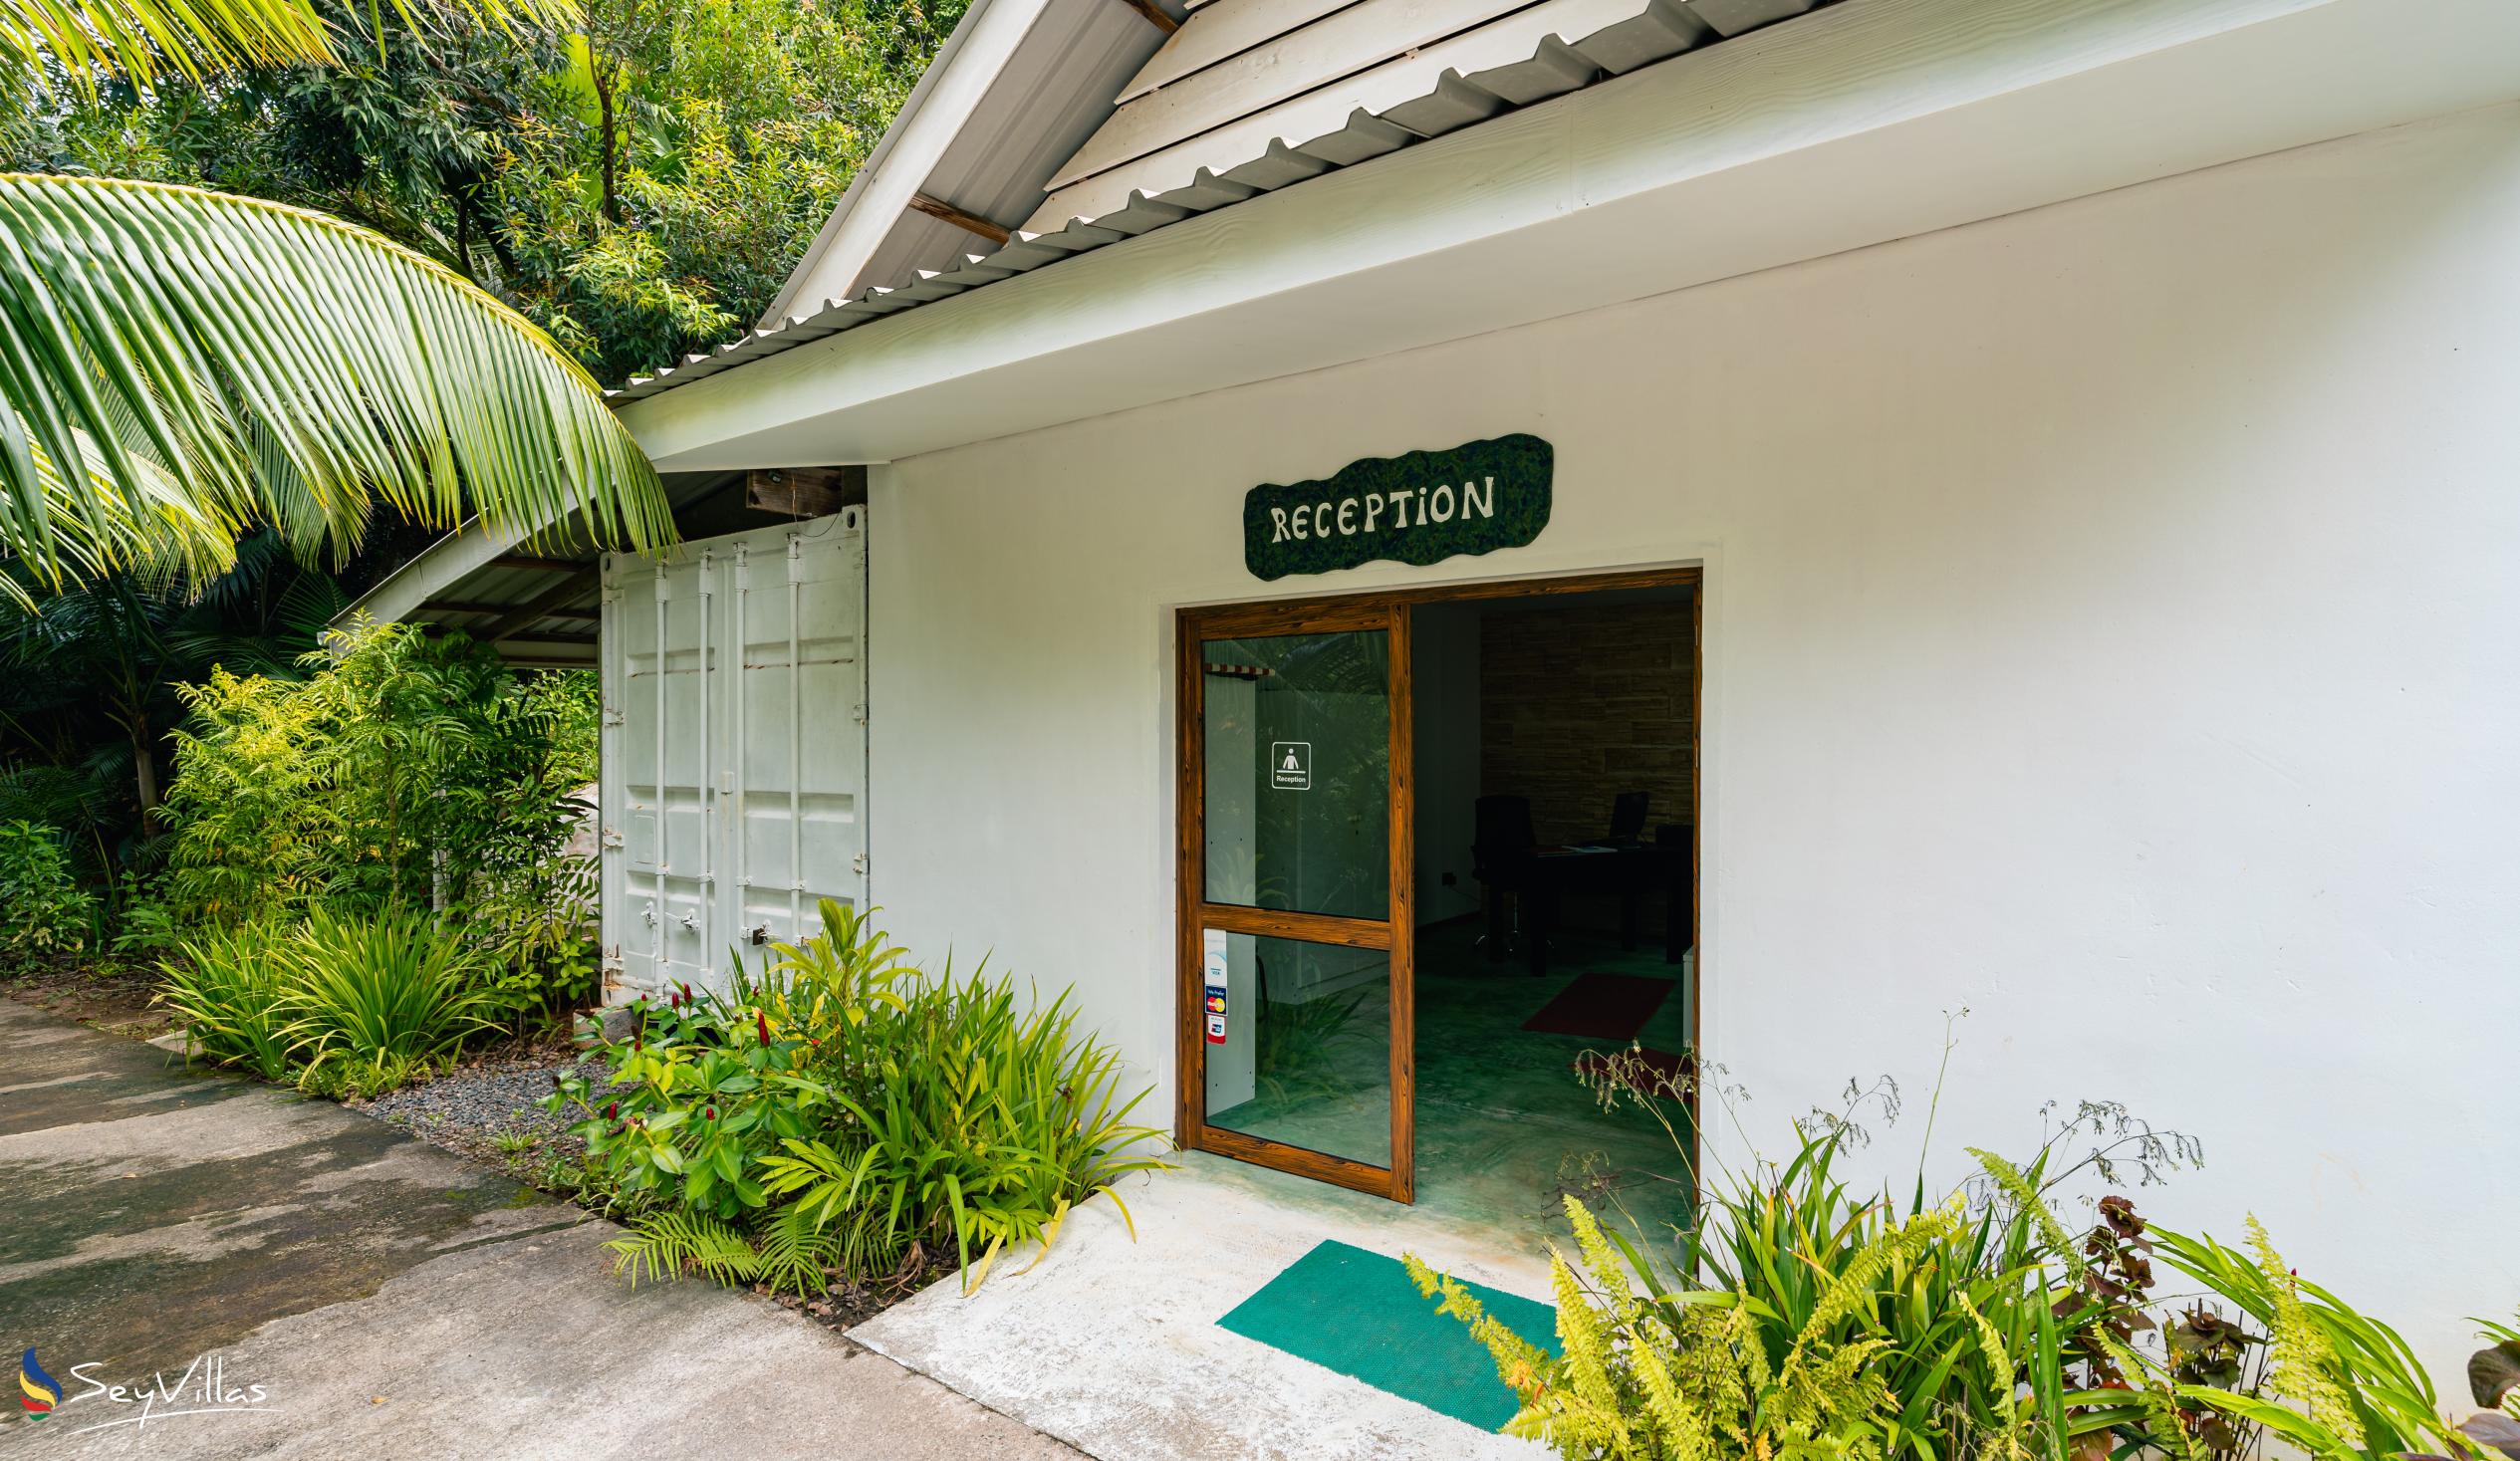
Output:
[[401, 771], [1800, 1318], [1945, 1336], [144, 923], [186, 368], [231, 988], [380, 997], [979, 1126], [49, 913], [341, 1005], [838, 1112]]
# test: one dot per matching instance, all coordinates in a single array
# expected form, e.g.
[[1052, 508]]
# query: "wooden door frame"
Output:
[[1394, 933], [1374, 608]]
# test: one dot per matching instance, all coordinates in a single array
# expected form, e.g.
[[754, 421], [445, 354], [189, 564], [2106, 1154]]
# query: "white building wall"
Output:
[[2112, 629]]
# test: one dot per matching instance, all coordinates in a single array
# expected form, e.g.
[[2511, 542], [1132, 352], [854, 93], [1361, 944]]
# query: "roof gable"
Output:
[[1108, 120]]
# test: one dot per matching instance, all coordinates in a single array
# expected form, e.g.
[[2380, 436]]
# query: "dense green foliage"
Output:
[[344, 1005], [88, 692], [48, 911], [838, 1112], [402, 772], [638, 185], [1803, 1319]]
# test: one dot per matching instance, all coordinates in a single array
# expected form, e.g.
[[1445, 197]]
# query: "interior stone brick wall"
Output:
[[1580, 703]]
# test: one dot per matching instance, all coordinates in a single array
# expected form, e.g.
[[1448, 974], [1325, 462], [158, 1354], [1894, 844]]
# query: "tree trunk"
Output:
[[604, 85], [144, 763]]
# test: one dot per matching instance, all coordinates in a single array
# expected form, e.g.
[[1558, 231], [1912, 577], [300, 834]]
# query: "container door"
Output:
[[734, 749], [796, 701]]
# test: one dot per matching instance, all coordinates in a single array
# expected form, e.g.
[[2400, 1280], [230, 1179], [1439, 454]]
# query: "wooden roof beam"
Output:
[[943, 211], [474, 606], [1154, 14], [540, 606]]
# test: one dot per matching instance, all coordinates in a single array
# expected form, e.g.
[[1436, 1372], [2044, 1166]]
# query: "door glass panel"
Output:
[[1298, 748], [1299, 1044]]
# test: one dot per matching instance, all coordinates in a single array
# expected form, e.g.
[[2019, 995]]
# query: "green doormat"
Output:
[[1356, 1313]]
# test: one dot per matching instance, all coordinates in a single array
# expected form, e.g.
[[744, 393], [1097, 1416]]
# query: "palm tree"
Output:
[[177, 367]]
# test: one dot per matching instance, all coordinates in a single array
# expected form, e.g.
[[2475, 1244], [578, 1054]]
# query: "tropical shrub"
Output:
[[1802, 1321], [341, 1005], [403, 772], [839, 1111], [143, 924], [48, 911]]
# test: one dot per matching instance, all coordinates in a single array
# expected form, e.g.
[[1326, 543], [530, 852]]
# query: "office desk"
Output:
[[1625, 870]]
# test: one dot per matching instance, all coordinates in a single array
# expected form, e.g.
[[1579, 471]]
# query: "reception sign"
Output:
[[1420, 508]]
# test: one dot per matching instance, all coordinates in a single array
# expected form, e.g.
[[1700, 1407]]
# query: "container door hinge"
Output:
[[612, 836], [859, 712], [857, 864]]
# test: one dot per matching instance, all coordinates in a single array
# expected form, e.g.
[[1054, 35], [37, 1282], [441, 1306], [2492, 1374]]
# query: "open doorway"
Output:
[[1555, 804], [1437, 861]]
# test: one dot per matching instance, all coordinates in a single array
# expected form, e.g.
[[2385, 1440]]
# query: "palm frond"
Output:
[[137, 39], [200, 362]]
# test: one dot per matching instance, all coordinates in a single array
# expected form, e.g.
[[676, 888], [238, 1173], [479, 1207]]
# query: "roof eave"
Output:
[[1869, 121]]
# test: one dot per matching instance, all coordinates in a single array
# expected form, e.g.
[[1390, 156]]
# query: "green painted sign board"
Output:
[[1420, 508]]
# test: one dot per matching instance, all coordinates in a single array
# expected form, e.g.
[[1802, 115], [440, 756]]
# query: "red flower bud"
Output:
[[611, 1110], [761, 1022], [710, 1113]]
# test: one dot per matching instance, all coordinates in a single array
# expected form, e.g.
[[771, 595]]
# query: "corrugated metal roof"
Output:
[[536, 601], [1047, 100], [1396, 104], [1010, 95]]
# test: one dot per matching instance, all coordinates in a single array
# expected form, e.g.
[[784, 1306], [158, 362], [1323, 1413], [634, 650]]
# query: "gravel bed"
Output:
[[472, 1107]]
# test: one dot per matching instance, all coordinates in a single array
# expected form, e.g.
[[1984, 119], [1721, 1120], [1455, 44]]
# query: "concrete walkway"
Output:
[[213, 1236], [1111, 1343]]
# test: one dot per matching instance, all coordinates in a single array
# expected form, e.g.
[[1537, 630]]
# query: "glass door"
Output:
[[1295, 1042]]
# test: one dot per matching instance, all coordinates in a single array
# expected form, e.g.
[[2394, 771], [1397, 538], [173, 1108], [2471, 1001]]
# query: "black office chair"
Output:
[[1502, 854], [1678, 841], [1628, 815]]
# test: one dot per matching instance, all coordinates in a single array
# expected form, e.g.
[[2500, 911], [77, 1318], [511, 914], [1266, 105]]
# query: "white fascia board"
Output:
[[933, 116], [1871, 120], [431, 572]]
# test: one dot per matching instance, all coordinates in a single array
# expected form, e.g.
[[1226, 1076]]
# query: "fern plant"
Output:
[[2339, 1383], [1689, 1375]]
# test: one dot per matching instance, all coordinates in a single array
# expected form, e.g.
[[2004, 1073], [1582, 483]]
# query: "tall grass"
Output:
[[975, 1124]]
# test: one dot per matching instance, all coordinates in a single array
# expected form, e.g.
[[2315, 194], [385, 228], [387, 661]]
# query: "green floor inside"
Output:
[[1505, 1127]]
